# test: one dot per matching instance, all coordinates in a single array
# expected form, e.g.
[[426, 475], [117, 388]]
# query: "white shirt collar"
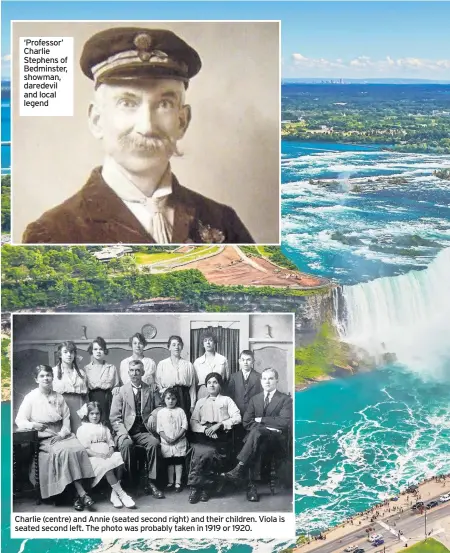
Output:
[[123, 186], [271, 394], [246, 374]]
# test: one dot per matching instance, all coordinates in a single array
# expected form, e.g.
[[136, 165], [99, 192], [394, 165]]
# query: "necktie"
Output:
[[160, 225], [266, 402]]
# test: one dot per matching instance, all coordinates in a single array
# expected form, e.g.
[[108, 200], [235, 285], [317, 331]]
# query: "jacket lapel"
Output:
[[145, 394], [104, 210], [129, 396], [253, 377], [184, 215], [260, 404], [271, 408]]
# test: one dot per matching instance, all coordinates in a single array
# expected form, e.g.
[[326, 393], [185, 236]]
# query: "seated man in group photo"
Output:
[[267, 421], [132, 423]]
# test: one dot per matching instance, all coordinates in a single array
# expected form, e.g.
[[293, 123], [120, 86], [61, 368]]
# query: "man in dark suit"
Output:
[[246, 383], [132, 422], [139, 114], [267, 421], [242, 386]]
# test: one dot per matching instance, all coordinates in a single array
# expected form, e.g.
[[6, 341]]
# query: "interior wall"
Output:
[[36, 337]]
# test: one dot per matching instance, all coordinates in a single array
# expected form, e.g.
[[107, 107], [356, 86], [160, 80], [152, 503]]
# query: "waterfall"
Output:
[[408, 315]]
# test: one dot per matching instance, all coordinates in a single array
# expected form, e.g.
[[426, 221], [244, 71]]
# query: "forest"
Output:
[[6, 203], [71, 277], [408, 118]]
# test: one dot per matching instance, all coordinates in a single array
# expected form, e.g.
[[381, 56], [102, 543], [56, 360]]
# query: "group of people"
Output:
[[191, 418]]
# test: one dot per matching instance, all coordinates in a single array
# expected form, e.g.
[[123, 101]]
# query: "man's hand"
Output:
[[115, 390], [258, 419]]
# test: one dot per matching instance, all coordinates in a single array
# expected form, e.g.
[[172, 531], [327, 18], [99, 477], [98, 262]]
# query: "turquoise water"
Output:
[[379, 217], [36, 546], [365, 438]]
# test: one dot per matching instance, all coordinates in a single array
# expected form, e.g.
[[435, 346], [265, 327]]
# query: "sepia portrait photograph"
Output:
[[174, 137], [155, 412]]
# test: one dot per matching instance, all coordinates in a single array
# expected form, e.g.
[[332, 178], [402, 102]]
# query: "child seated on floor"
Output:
[[172, 425], [96, 439]]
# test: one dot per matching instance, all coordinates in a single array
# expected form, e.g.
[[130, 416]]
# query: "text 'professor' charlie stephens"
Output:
[[139, 114]]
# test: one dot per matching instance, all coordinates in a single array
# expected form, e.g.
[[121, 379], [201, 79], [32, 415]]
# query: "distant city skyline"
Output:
[[320, 40]]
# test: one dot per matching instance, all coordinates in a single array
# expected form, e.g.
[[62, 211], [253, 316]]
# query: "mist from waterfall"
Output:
[[408, 315]]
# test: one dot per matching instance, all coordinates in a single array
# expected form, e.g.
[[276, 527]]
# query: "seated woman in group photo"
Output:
[[97, 440], [62, 458], [212, 420]]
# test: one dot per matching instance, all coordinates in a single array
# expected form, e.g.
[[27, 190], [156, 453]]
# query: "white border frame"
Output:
[[13, 69], [158, 513]]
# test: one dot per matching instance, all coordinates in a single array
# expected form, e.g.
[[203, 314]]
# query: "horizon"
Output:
[[319, 40]]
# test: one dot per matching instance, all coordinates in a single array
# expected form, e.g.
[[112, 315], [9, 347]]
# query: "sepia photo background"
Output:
[[231, 149]]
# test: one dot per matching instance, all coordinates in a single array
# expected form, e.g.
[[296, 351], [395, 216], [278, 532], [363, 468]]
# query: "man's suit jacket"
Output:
[[278, 413], [123, 408], [96, 215], [239, 393]]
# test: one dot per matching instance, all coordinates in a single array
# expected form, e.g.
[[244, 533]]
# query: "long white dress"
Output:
[[171, 421], [98, 438], [60, 462]]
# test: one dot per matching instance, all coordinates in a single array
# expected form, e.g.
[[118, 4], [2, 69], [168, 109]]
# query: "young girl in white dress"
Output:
[[96, 439], [172, 425]]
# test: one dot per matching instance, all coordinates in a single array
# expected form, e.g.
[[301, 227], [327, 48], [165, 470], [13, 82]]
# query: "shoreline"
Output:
[[370, 145], [388, 509]]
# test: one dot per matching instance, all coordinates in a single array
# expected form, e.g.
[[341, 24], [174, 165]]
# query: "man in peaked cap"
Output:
[[139, 114]]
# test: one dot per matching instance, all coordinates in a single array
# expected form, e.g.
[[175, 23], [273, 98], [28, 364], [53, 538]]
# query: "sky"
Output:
[[335, 39]]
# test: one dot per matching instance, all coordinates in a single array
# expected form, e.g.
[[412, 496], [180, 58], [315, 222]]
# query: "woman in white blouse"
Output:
[[101, 376], [70, 381], [177, 373], [212, 420], [210, 361], [62, 458]]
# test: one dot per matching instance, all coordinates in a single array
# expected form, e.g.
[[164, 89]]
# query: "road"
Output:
[[411, 524]]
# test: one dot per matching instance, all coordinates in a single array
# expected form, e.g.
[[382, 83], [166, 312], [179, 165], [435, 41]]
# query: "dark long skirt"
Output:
[[104, 397], [209, 457], [183, 399]]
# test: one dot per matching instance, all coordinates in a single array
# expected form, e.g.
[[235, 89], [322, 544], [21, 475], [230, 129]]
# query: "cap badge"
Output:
[[143, 43]]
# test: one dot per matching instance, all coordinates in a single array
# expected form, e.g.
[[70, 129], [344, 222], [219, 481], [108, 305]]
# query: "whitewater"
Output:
[[377, 213], [366, 438]]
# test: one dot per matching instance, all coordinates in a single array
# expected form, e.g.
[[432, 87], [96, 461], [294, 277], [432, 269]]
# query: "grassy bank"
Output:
[[428, 546], [321, 358]]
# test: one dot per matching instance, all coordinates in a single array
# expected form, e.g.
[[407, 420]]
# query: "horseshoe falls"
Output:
[[382, 230], [407, 315], [365, 438]]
